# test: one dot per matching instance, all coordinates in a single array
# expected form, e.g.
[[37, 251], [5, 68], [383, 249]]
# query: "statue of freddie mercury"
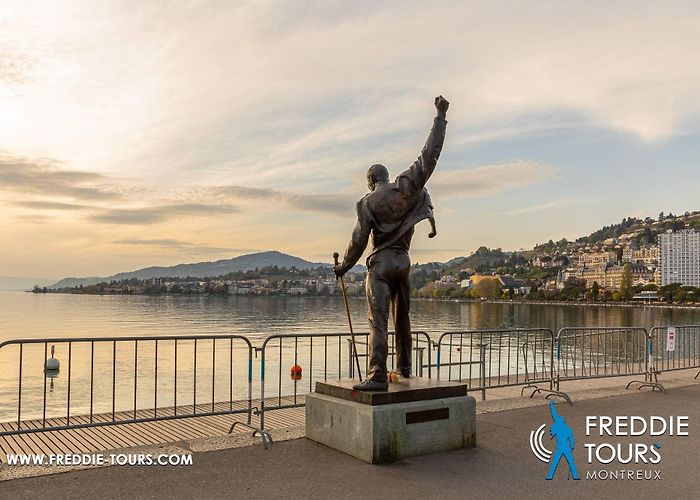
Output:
[[388, 213]]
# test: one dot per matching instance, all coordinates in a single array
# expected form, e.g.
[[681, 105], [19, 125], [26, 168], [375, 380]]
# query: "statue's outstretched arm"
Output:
[[421, 170], [358, 243]]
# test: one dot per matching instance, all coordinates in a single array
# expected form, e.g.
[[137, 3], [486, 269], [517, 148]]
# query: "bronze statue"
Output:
[[388, 213]]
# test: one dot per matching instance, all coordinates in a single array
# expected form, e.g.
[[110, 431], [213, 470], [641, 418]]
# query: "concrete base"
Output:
[[388, 432]]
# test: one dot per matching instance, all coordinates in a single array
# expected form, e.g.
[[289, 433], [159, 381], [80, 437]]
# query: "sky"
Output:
[[137, 133]]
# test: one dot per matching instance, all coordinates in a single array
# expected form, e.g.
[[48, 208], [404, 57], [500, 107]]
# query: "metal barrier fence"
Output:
[[675, 347], [103, 380], [488, 359], [121, 380], [320, 356], [586, 353]]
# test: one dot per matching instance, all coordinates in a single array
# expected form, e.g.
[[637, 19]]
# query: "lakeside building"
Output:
[[609, 275], [679, 259], [647, 296], [593, 259], [542, 261], [647, 255], [519, 287], [297, 290], [447, 282]]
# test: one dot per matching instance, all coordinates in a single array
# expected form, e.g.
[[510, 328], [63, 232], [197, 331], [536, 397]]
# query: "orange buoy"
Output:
[[295, 372]]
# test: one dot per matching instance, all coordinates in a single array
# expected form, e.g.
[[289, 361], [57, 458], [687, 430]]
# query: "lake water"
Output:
[[207, 369], [27, 315]]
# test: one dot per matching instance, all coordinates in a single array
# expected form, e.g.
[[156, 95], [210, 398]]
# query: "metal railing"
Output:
[[586, 353], [123, 380], [105, 380], [682, 352], [488, 359], [321, 356], [420, 344]]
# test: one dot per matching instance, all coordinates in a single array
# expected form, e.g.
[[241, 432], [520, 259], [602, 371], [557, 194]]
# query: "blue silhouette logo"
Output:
[[560, 431]]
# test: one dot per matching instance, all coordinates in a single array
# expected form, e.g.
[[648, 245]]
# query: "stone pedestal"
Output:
[[416, 416]]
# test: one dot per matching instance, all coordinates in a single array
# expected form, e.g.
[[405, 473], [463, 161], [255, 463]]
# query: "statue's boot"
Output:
[[371, 385], [405, 372]]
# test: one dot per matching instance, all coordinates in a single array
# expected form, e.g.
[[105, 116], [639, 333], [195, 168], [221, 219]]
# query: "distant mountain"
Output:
[[21, 283], [71, 282], [638, 230], [200, 270]]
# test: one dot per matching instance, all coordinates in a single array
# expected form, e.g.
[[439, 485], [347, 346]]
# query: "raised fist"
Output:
[[441, 104]]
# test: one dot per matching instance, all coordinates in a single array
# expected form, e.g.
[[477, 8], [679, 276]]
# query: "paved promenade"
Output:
[[502, 464]]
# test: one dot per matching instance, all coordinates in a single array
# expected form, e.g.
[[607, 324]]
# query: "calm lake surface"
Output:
[[27, 315], [219, 371]]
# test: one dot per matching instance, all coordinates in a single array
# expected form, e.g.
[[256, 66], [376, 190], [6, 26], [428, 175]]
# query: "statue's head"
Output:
[[375, 175]]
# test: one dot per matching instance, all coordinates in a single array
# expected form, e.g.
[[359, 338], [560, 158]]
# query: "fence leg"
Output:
[[551, 391], [351, 366], [651, 378], [437, 360], [482, 364], [420, 361], [529, 384], [264, 435]]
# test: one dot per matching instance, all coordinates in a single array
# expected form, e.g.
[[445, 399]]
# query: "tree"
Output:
[[669, 291], [677, 225], [595, 290], [573, 289], [626, 282], [487, 288]]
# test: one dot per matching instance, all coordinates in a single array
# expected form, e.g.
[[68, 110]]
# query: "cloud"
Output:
[[489, 180], [317, 91], [549, 205], [51, 205], [14, 66], [179, 245], [51, 180], [334, 204], [296, 103], [48, 177], [155, 214]]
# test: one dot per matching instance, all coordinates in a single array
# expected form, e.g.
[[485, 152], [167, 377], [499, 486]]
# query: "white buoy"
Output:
[[52, 364]]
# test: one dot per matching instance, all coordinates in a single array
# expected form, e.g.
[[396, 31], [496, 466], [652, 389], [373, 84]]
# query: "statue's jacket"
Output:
[[389, 213]]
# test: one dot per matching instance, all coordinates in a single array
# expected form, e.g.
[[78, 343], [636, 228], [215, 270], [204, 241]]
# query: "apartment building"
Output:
[[679, 259]]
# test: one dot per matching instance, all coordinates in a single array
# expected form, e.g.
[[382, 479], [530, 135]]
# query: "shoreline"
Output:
[[657, 305]]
